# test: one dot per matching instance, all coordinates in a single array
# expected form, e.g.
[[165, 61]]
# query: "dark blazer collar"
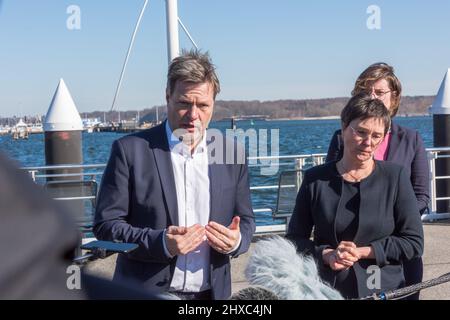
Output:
[[395, 140], [160, 146], [395, 128], [215, 173], [157, 137]]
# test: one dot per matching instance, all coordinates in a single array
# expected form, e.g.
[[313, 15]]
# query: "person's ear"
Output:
[[167, 95], [394, 99]]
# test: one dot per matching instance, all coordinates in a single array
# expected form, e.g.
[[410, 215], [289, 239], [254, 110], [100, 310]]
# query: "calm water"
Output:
[[296, 137]]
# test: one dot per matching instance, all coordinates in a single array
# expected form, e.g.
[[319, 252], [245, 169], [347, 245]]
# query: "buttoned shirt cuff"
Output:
[[237, 245], [166, 251]]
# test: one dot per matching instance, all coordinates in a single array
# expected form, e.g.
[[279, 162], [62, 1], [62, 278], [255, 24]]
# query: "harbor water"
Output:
[[295, 137]]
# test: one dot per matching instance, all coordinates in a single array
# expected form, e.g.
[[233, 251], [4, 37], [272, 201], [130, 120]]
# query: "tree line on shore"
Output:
[[276, 109], [295, 109]]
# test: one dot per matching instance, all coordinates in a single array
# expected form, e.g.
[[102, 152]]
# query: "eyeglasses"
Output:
[[378, 93], [376, 138]]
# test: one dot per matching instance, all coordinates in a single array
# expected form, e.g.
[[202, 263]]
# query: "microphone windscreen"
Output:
[[276, 266], [254, 293]]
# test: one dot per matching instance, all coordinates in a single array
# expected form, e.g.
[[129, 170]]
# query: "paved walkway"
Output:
[[436, 259]]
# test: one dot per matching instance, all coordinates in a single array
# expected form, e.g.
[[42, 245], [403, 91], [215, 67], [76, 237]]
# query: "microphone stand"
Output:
[[407, 291]]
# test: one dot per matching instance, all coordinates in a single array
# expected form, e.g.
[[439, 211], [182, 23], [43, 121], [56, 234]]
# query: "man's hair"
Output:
[[362, 107], [379, 71], [194, 67]]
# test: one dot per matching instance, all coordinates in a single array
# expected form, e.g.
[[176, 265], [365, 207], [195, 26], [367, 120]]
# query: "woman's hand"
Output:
[[343, 257], [330, 259], [347, 253]]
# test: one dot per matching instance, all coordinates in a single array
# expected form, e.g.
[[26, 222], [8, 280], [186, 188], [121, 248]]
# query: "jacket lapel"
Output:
[[367, 204], [215, 190], [163, 161], [393, 143], [215, 182], [336, 183]]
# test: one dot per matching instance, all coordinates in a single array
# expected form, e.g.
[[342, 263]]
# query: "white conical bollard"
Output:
[[441, 103], [63, 127], [62, 115], [441, 137]]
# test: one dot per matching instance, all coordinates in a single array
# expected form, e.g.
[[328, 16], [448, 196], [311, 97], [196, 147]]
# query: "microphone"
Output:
[[276, 266]]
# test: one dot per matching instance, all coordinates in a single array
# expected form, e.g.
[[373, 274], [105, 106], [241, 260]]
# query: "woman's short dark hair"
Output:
[[362, 107]]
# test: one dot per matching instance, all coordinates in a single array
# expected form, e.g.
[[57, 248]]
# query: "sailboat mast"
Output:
[[173, 45]]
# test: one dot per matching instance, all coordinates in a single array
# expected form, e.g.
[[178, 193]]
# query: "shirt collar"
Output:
[[174, 143]]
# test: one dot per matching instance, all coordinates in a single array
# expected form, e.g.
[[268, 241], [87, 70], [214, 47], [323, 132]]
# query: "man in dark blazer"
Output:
[[174, 191]]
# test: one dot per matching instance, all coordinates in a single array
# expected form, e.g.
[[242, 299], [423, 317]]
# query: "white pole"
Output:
[[173, 45]]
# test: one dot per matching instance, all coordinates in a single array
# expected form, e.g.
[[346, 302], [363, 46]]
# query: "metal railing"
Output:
[[38, 173], [433, 154], [296, 162]]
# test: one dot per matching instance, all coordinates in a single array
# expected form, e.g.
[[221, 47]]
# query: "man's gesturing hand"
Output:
[[221, 238], [182, 240]]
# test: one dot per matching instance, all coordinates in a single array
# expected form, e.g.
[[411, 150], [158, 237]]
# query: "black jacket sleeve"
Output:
[[301, 224], [407, 241], [420, 174]]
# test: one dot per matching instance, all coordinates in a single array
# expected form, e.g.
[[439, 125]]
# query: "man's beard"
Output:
[[190, 138]]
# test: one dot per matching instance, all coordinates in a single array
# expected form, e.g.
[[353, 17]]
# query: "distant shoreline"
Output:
[[322, 118], [305, 118]]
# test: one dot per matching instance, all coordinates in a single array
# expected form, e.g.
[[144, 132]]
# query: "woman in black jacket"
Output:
[[401, 145], [363, 211]]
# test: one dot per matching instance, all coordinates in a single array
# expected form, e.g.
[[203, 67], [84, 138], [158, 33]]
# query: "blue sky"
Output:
[[265, 50]]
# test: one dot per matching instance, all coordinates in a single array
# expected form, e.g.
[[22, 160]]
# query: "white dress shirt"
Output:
[[192, 271]]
